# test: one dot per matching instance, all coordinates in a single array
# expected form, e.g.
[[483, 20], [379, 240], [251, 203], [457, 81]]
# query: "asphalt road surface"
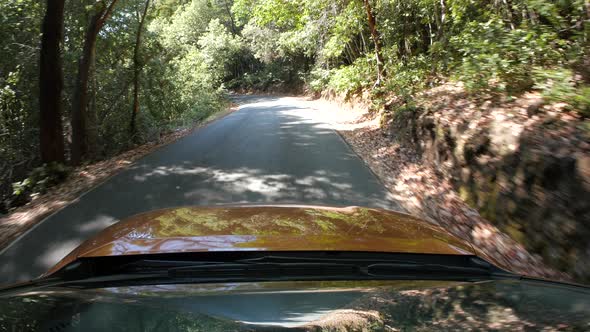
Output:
[[269, 151]]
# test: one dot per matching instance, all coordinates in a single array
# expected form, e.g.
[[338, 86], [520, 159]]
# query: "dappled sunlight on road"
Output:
[[271, 151], [255, 185]]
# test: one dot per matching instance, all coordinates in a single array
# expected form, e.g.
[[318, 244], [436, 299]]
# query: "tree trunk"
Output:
[[51, 84], [377, 41], [80, 100], [79, 145], [91, 121], [137, 71], [231, 18], [364, 43], [509, 13], [443, 16]]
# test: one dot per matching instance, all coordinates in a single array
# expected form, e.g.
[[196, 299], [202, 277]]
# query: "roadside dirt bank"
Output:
[[418, 154]]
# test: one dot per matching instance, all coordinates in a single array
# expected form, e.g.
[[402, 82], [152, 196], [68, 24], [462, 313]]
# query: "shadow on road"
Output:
[[266, 153]]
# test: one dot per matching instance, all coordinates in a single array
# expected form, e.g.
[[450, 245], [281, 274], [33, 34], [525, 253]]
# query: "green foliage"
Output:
[[40, 179], [318, 79], [276, 13], [349, 79], [20, 27], [492, 56], [554, 83], [558, 85], [346, 79], [276, 76], [184, 28], [581, 100], [186, 53], [489, 46], [410, 77], [183, 85], [219, 51], [346, 27]]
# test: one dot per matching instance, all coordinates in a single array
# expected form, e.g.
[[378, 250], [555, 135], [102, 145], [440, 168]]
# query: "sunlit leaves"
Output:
[[218, 48], [263, 42], [19, 48], [348, 25]]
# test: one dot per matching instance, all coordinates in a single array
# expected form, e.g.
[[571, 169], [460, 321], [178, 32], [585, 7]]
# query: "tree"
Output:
[[232, 22], [376, 40], [79, 145], [51, 84], [137, 69]]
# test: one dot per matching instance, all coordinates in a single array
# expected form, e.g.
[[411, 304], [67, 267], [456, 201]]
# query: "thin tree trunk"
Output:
[[441, 20], [51, 84], [357, 46], [348, 53], [231, 18], [377, 41], [509, 12], [441, 29], [443, 16], [137, 70], [80, 99], [92, 125], [364, 43], [79, 145]]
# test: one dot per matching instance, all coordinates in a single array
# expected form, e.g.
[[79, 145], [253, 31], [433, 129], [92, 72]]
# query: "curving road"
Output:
[[269, 151]]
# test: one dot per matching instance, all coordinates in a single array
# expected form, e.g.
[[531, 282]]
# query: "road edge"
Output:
[[28, 226]]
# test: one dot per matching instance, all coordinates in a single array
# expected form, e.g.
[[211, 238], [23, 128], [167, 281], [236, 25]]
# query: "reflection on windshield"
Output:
[[506, 305]]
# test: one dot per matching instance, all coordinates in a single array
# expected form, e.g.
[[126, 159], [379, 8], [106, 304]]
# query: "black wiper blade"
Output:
[[279, 266], [396, 269], [302, 259], [385, 267], [264, 270], [152, 265]]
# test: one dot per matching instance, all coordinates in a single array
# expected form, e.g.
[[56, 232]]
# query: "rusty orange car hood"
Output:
[[271, 228]]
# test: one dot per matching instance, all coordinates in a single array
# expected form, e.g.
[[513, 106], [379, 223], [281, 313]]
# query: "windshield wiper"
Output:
[[154, 266], [265, 270], [293, 266], [383, 270], [396, 269]]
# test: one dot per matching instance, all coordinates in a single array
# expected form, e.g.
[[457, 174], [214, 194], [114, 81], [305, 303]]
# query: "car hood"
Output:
[[269, 228]]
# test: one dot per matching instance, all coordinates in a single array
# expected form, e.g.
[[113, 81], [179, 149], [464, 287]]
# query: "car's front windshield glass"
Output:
[[398, 305]]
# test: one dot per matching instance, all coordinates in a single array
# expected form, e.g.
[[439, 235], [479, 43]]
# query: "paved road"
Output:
[[269, 151]]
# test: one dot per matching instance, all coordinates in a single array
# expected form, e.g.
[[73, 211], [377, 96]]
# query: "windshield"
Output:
[[403, 305]]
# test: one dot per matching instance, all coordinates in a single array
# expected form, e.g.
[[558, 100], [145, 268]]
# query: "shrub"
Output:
[[559, 85], [407, 78], [346, 79], [492, 56], [318, 79], [40, 179]]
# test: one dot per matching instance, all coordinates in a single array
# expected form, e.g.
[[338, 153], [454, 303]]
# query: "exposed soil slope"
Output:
[[510, 176]]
